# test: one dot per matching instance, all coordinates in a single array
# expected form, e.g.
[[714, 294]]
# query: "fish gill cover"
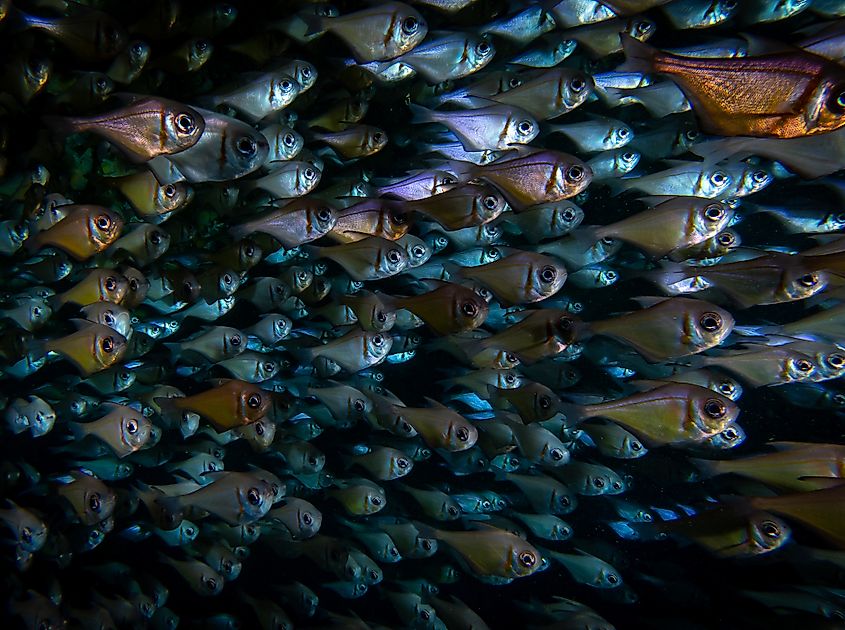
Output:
[[449, 314]]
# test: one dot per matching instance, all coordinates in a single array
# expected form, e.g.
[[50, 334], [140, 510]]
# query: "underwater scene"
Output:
[[441, 314]]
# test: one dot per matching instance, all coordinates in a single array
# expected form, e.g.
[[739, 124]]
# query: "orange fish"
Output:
[[230, 405], [85, 231], [780, 95]]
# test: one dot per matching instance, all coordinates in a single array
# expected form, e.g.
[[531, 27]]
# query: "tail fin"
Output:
[[420, 114], [62, 125], [639, 57], [707, 467]]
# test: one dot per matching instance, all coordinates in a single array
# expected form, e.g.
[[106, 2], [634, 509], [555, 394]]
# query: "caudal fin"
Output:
[[639, 57]]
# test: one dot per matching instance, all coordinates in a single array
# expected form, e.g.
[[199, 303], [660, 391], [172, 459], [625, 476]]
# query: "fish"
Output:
[[232, 404], [299, 221], [145, 128], [520, 278], [123, 429], [263, 95], [483, 129], [84, 232], [801, 98]]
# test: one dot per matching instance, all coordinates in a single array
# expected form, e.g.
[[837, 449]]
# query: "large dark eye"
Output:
[[132, 427], [760, 176], [718, 178], [393, 256], [410, 25], [378, 136], [253, 496], [809, 280], [836, 360], [490, 202], [324, 215], [94, 503], [108, 318], [770, 529], [598, 482], [103, 222], [730, 434], [185, 123], [804, 366], [575, 173], [426, 543], [636, 446], [452, 510], [548, 274], [306, 519], [254, 401], [642, 28], [375, 500], [525, 127], [358, 405], [287, 85], [269, 366], [155, 237], [210, 583], [836, 102], [557, 454], [577, 84], [259, 429], [289, 140], [483, 48], [246, 146], [715, 408], [714, 212], [544, 402], [727, 388], [710, 321], [469, 309], [110, 284], [402, 463], [462, 433], [612, 578], [133, 284], [726, 239], [107, 345], [568, 215], [527, 559]]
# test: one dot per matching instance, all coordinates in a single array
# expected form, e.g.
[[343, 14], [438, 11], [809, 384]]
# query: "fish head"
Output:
[[255, 498], [109, 346], [826, 109], [283, 90], [797, 286], [766, 533], [524, 558], [112, 286], [135, 430]]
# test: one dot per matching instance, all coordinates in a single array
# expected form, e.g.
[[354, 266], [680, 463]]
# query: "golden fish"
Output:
[[143, 242], [439, 426], [371, 312], [232, 404], [371, 217], [670, 328], [460, 207], [355, 141], [91, 349], [85, 231], [672, 414], [779, 95], [793, 466], [149, 198], [148, 127], [372, 258], [538, 177], [91, 499], [520, 278], [820, 510], [449, 308], [300, 221]]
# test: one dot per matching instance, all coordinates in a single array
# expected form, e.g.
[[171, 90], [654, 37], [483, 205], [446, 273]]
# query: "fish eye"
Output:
[[402, 463], [715, 408], [577, 84], [809, 280], [210, 583], [406, 428], [760, 176], [770, 529], [514, 82], [726, 239], [375, 500], [598, 482], [108, 318], [185, 123], [358, 405], [710, 321], [309, 173], [133, 284], [377, 340], [287, 85], [138, 49], [110, 284], [107, 345], [469, 309], [836, 360], [246, 146], [568, 214], [132, 427], [511, 358], [94, 503], [269, 366], [623, 132], [636, 446], [155, 237], [418, 251], [254, 401], [425, 615], [490, 202], [804, 365], [201, 45], [103, 222], [718, 178], [393, 256], [381, 317], [253, 496], [556, 454], [378, 136], [575, 173], [548, 274], [527, 559], [566, 323], [727, 388], [410, 25], [544, 402], [482, 48], [525, 127], [259, 429], [307, 519], [305, 71], [289, 140], [836, 103], [462, 433], [612, 578], [101, 84], [691, 135], [169, 190], [324, 215], [642, 27], [730, 434], [714, 212], [452, 510]]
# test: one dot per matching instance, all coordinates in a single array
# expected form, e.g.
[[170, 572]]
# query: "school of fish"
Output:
[[453, 314]]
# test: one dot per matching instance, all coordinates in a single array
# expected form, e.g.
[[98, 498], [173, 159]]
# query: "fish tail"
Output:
[[572, 413], [63, 125], [420, 114], [707, 467], [175, 351], [241, 231], [639, 57], [78, 429]]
